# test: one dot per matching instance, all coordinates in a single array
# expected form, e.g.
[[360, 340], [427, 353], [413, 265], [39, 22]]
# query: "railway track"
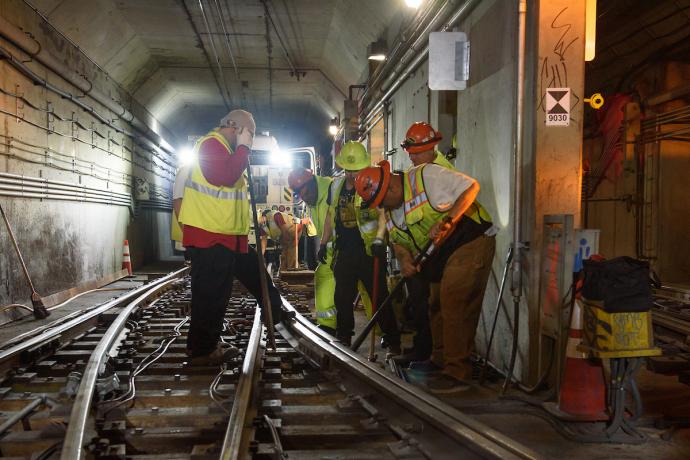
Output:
[[115, 383]]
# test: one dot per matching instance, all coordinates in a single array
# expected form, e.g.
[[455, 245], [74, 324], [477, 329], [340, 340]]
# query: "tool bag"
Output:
[[623, 284]]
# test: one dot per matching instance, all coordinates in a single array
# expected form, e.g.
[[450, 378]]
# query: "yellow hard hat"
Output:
[[353, 156]]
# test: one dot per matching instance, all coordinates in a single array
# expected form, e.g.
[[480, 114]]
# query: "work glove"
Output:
[[378, 248], [245, 137], [322, 254]]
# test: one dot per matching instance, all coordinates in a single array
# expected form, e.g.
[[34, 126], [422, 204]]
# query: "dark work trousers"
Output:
[[352, 264], [247, 273], [207, 266], [418, 298], [212, 272], [308, 247]]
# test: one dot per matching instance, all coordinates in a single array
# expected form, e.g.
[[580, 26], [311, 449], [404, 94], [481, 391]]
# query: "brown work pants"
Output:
[[456, 303], [288, 254]]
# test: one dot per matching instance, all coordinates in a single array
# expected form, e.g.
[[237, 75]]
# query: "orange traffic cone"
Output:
[[126, 260], [582, 394]]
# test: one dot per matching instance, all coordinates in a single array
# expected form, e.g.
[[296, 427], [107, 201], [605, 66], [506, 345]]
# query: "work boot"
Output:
[[224, 352], [347, 341], [446, 384], [410, 355], [424, 367]]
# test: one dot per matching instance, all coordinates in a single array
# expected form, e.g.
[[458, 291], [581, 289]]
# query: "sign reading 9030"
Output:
[[558, 106]]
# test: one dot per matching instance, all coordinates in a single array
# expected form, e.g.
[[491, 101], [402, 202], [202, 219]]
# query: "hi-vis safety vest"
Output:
[[441, 160], [367, 219], [309, 227], [320, 209], [175, 228], [273, 230], [420, 216], [223, 210]]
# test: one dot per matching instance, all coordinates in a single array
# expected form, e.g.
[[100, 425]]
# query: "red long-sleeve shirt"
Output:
[[219, 169]]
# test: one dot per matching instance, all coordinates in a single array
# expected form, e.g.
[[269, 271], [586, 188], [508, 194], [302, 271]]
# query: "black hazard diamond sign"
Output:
[[558, 106]]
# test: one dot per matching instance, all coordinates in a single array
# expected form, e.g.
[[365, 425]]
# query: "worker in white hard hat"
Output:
[[215, 214]]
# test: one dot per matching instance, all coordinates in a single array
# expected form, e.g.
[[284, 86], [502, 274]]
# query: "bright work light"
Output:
[[185, 156]]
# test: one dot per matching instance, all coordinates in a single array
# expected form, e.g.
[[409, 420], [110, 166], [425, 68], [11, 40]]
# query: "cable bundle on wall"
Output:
[[35, 187]]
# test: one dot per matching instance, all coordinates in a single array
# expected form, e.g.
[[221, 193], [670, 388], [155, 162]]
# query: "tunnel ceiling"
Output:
[[162, 52]]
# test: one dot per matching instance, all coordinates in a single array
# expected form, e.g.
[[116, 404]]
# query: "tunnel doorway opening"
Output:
[[636, 150]]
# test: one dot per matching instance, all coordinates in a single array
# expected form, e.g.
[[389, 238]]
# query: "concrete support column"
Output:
[[556, 151]]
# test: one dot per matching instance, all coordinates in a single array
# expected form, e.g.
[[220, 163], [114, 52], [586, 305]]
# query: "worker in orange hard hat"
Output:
[[420, 144], [430, 202]]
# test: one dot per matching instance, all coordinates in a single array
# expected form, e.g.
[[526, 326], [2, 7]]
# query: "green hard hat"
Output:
[[353, 157]]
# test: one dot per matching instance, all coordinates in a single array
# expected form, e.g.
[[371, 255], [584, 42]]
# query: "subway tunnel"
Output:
[[344, 229]]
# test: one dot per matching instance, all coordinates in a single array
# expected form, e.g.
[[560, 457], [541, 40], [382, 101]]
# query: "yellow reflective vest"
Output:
[[223, 209], [420, 216], [367, 219], [272, 229]]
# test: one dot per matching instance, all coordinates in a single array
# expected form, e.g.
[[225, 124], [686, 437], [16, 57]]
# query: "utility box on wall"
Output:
[[564, 250], [449, 61]]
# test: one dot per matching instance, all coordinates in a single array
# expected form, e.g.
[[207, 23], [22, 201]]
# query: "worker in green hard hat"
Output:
[[359, 238]]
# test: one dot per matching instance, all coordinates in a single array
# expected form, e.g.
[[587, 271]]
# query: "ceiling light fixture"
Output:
[[377, 50], [413, 3], [590, 29], [334, 127]]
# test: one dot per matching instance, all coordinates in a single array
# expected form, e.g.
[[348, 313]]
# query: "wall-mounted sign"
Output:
[[557, 106]]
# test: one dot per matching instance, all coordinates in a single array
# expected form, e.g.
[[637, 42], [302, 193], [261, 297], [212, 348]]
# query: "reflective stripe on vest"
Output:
[[326, 314], [420, 215], [217, 193]]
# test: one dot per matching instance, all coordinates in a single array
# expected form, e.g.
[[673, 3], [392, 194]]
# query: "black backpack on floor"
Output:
[[623, 284]]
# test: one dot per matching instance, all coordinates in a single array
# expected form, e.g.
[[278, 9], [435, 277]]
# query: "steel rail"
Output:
[[243, 393], [445, 418], [51, 332], [73, 445]]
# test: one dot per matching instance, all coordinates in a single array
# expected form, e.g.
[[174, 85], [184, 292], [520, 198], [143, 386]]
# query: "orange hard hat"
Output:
[[298, 178], [420, 137], [372, 184]]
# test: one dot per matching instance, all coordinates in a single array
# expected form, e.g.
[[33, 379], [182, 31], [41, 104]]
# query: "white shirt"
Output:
[[180, 179], [443, 186]]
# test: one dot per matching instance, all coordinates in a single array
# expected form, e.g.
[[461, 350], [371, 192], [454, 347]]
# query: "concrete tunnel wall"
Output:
[[485, 120], [65, 243]]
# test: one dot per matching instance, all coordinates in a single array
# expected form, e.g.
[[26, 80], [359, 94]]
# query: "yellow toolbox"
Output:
[[616, 335]]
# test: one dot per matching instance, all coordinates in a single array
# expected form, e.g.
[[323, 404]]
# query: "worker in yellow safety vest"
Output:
[[313, 190], [421, 144], [249, 275], [359, 237], [215, 215], [282, 229], [181, 176], [430, 202]]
